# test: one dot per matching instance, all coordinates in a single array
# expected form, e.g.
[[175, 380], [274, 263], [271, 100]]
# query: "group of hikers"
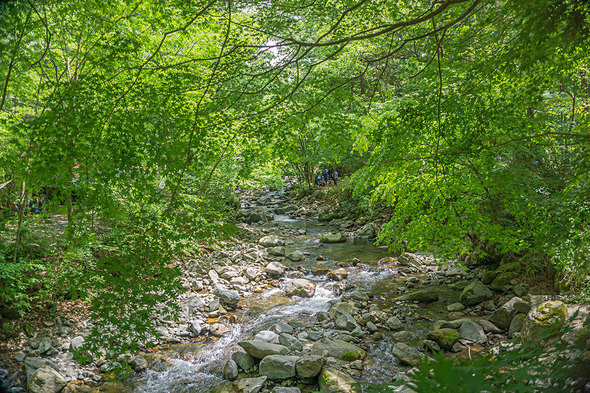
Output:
[[327, 178]]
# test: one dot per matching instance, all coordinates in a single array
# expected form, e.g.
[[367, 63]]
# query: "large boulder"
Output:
[[422, 296], [338, 349], [335, 381], [33, 363], [345, 321], [540, 322], [271, 241], [260, 349], [295, 256], [275, 269], [333, 237], [300, 287], [475, 293], [257, 215], [290, 342], [368, 231], [471, 331], [516, 324], [503, 315], [309, 366], [278, 366], [407, 354], [445, 337], [243, 360], [251, 385], [228, 297], [338, 274], [230, 370], [503, 281], [46, 380]]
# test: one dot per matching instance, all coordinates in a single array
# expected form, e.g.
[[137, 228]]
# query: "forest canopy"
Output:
[[137, 120]]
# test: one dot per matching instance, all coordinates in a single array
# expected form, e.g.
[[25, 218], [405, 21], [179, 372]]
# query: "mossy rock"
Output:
[[335, 381], [350, 356], [502, 280], [543, 323], [333, 237], [422, 296], [582, 336], [445, 337]]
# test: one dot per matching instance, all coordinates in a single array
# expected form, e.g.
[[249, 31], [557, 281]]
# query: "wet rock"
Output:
[[550, 314], [260, 349], [251, 385], [267, 336], [333, 237], [503, 315], [338, 349], [394, 323], [46, 380], [282, 327], [278, 251], [332, 380], [228, 297], [320, 271], [275, 269], [516, 324], [300, 287], [444, 337], [342, 306], [138, 363], [219, 329], [271, 241], [338, 274], [278, 366], [230, 370], [309, 366], [290, 342], [345, 321], [295, 256], [407, 354], [471, 331], [243, 360], [422, 296], [475, 293]]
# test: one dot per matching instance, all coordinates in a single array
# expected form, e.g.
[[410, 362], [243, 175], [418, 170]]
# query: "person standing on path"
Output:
[[335, 177], [325, 176]]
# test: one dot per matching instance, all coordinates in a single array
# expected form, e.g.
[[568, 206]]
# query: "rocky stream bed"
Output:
[[305, 306]]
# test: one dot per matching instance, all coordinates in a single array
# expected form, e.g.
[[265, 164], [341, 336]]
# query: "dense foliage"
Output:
[[134, 122]]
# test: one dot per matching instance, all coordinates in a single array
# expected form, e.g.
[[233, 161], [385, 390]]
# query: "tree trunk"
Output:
[[21, 212]]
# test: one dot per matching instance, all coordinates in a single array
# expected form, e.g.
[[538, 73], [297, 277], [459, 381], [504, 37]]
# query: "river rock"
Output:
[[338, 274], [46, 380], [295, 256], [251, 385], [260, 349], [502, 282], [282, 327], [342, 306], [335, 381], [550, 314], [422, 296], [333, 237], [320, 271], [271, 241], [267, 336], [300, 287], [471, 331], [445, 337], [455, 307], [503, 315], [309, 366], [230, 370], [77, 343], [290, 342], [394, 323], [243, 360], [369, 231], [228, 297], [34, 363], [282, 389], [407, 354], [338, 349], [275, 269], [278, 366], [278, 251], [489, 327], [345, 321], [516, 324], [138, 363], [475, 293], [257, 215]]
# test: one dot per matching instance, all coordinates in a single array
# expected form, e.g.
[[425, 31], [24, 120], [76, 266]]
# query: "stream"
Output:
[[197, 367]]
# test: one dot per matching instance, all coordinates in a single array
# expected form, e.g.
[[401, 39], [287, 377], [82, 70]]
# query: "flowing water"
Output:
[[197, 367]]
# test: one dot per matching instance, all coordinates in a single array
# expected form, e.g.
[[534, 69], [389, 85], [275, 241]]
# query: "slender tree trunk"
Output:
[[21, 211]]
